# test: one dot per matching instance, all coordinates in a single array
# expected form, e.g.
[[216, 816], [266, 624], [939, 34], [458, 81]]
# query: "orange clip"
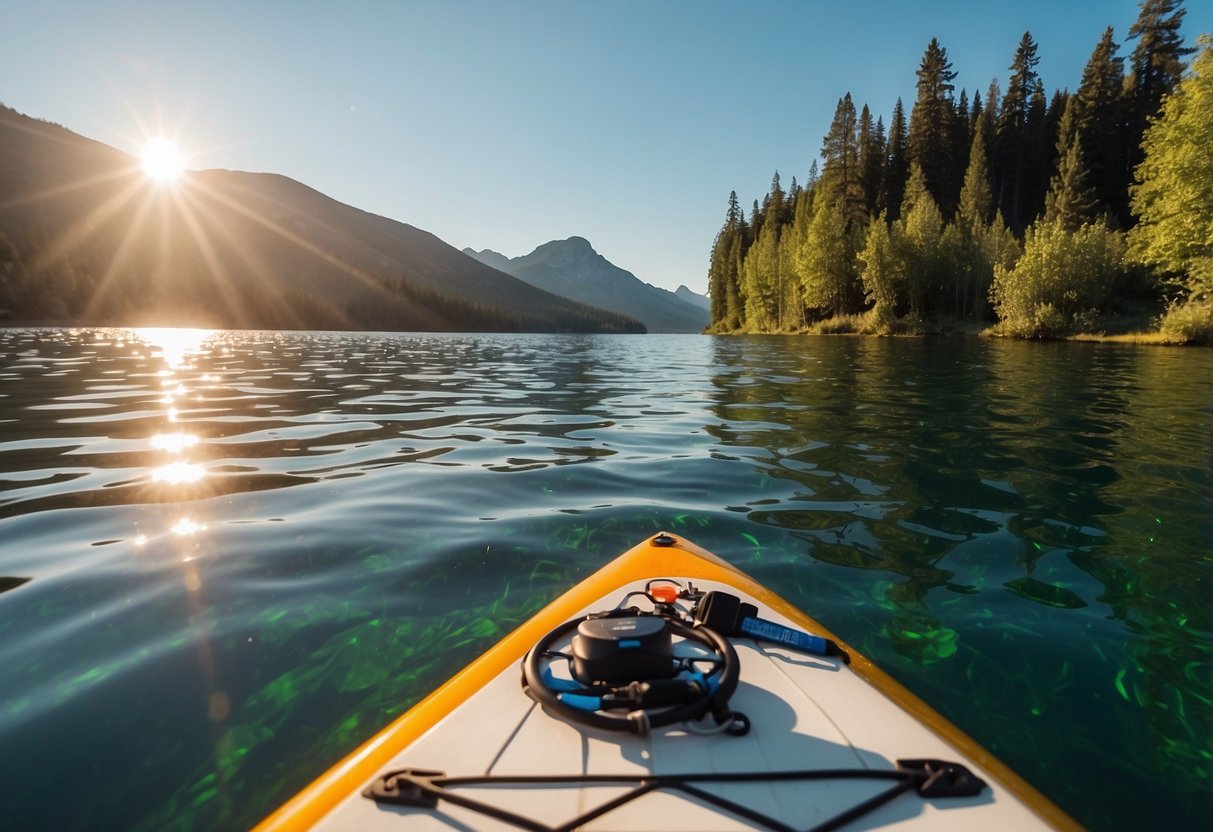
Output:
[[664, 594]]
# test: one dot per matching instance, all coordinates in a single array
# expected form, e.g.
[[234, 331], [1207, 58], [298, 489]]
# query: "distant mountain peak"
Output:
[[573, 269]]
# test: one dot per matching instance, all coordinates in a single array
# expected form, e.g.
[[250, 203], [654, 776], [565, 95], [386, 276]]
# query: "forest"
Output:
[[1012, 211]]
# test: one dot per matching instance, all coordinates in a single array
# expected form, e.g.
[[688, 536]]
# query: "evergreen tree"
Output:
[[1015, 138], [734, 300], [976, 202], [916, 189], [871, 160], [1040, 146], [841, 173], [791, 309], [722, 269], [814, 176], [897, 164], [931, 129], [760, 278], [1070, 202], [1099, 119], [1156, 66], [962, 141]]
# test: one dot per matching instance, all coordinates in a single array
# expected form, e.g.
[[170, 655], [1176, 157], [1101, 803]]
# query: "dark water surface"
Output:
[[225, 561]]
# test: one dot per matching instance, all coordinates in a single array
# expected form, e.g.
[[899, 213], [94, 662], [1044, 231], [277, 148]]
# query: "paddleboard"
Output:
[[769, 731]]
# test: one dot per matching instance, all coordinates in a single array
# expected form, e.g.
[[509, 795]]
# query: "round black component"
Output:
[[622, 649], [714, 698]]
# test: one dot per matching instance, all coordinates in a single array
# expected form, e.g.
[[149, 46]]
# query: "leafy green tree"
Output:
[[882, 272], [791, 306], [921, 231], [997, 247], [931, 125], [1060, 282], [897, 162], [1173, 197], [825, 264], [761, 279]]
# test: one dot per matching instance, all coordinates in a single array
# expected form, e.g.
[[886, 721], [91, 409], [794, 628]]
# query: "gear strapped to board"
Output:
[[623, 673]]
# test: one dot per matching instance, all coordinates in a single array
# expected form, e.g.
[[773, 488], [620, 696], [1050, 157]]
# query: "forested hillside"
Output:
[[1047, 214], [87, 238]]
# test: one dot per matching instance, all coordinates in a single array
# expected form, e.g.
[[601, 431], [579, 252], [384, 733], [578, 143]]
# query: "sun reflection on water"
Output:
[[176, 345], [186, 526], [179, 473], [173, 443]]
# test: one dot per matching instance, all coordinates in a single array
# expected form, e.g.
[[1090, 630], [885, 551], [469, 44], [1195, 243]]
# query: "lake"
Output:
[[228, 558]]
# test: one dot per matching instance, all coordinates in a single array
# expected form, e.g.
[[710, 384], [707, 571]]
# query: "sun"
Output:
[[162, 161]]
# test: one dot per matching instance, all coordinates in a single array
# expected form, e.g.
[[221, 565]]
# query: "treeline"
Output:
[[1012, 206], [405, 306], [41, 289]]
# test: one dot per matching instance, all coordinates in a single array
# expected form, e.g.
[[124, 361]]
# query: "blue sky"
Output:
[[507, 124]]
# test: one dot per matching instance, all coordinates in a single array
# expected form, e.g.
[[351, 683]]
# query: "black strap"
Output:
[[424, 789]]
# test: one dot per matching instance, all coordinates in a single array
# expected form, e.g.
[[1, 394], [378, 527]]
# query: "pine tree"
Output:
[[1155, 67], [1015, 136], [722, 269], [962, 140], [976, 202], [1070, 202], [897, 164], [1099, 118], [1038, 166], [931, 128], [916, 188], [871, 160], [776, 207], [760, 279], [841, 172]]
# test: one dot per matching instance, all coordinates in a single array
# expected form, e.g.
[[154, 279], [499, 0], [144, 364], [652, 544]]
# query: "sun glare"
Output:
[[162, 161]]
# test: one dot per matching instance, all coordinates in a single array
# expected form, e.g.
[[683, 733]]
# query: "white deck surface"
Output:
[[806, 712]]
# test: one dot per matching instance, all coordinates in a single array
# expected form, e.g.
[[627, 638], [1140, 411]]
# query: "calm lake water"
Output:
[[228, 558]]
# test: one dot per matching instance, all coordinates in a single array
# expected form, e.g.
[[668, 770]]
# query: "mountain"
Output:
[[572, 269], [694, 298], [86, 238]]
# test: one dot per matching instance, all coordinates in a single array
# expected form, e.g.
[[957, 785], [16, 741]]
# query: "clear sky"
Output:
[[506, 123]]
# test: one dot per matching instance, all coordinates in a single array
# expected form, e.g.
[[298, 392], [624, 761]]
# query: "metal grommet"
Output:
[[664, 539]]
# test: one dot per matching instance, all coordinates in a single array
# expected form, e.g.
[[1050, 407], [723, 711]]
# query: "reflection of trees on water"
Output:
[[981, 474]]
